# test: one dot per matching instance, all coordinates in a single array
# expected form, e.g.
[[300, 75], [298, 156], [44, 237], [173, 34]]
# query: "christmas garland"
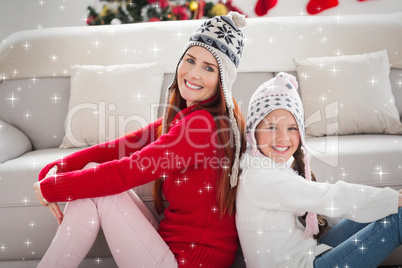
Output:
[[313, 6], [132, 11]]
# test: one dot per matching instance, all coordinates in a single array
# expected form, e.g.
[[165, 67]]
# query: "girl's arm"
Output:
[[400, 199], [275, 189], [187, 144], [107, 151]]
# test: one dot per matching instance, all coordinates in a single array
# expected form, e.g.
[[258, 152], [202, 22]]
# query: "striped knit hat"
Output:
[[222, 37], [279, 93]]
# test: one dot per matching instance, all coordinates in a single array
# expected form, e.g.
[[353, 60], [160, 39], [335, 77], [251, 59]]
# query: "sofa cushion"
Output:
[[18, 175], [107, 102], [373, 160], [348, 95], [13, 142], [396, 84]]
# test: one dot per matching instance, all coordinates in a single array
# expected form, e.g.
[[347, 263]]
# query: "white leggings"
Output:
[[129, 227]]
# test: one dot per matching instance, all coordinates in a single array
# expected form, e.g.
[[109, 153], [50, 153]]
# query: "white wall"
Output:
[[17, 15], [345, 7]]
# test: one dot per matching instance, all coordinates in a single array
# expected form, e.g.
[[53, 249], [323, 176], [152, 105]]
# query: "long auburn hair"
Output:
[[298, 165], [226, 196]]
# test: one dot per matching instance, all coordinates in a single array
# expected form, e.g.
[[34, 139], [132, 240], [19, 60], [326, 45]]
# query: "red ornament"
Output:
[[163, 4], [263, 6], [180, 12], [317, 6], [231, 7], [154, 19], [90, 20]]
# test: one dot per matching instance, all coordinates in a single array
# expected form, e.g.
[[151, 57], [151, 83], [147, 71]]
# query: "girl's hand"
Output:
[[400, 199]]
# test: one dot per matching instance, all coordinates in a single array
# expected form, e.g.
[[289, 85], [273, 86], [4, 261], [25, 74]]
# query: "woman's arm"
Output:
[[107, 151], [183, 146]]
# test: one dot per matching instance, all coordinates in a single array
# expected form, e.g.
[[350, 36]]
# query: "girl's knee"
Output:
[[397, 216]]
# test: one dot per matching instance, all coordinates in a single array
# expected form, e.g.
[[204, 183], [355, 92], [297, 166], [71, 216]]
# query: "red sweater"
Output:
[[187, 157]]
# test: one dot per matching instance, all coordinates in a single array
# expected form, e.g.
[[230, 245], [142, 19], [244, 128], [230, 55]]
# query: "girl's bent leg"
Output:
[[74, 237], [368, 247], [131, 234], [340, 232]]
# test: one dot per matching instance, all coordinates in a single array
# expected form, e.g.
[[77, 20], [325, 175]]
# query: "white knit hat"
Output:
[[222, 37], [279, 93]]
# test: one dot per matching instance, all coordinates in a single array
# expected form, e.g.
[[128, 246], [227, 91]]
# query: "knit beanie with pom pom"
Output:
[[222, 37], [279, 93]]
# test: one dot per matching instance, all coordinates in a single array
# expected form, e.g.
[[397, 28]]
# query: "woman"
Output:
[[190, 155]]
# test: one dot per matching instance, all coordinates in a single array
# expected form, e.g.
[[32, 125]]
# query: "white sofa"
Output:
[[35, 90]]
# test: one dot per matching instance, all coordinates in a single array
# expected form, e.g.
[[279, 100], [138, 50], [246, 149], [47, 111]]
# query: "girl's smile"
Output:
[[277, 135]]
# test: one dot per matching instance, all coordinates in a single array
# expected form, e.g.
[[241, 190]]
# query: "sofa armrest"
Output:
[[13, 142]]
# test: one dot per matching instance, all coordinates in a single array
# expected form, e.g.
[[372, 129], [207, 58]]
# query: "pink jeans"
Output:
[[129, 227]]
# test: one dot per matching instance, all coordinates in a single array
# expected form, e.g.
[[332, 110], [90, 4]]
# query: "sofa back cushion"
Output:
[[39, 107]]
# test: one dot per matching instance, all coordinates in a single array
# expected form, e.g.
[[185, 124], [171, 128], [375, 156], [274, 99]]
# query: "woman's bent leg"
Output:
[[368, 247], [144, 209], [74, 237], [130, 232]]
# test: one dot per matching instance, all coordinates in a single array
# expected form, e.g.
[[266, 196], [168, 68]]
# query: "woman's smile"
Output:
[[191, 85]]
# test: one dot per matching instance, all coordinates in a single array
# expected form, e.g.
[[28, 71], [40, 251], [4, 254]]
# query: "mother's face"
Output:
[[197, 75]]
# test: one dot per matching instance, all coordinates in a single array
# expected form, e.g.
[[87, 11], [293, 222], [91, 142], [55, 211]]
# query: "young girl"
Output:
[[190, 155], [272, 197]]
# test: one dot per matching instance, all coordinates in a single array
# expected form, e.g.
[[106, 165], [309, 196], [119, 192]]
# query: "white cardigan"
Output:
[[270, 199]]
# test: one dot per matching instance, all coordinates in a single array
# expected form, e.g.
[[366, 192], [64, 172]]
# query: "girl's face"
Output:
[[278, 136], [197, 75]]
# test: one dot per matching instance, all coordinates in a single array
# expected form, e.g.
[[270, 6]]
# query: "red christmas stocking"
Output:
[[316, 6], [263, 6]]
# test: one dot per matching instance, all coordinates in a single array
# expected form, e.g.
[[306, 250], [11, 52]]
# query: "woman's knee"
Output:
[[90, 165]]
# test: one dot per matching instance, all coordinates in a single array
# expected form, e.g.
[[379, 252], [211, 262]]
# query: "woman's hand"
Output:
[[55, 210], [39, 196], [53, 207]]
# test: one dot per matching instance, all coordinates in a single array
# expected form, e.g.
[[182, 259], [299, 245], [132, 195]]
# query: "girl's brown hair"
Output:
[[298, 165], [226, 196]]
